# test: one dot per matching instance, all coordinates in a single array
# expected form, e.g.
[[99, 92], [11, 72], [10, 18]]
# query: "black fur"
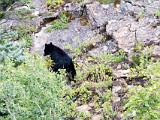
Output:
[[60, 58]]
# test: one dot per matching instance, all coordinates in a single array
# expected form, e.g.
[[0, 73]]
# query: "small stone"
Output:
[[121, 73], [84, 108], [96, 15], [97, 117], [156, 50]]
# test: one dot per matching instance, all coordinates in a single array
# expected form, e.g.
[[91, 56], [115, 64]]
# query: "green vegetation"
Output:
[[4, 4], [94, 81], [157, 13], [144, 102], [54, 3], [60, 23], [24, 13], [2, 14], [30, 91], [106, 1], [19, 33]]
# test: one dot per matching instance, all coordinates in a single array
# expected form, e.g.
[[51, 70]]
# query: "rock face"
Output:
[[134, 28], [129, 25], [96, 15], [120, 31], [73, 35], [135, 21]]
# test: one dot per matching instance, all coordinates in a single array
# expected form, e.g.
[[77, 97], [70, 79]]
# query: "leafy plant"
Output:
[[143, 102], [106, 1], [54, 3], [157, 13], [6, 3], [19, 33], [60, 23], [2, 14], [30, 91], [11, 51], [24, 13]]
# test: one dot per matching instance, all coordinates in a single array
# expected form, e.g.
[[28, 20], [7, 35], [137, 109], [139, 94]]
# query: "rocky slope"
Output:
[[106, 28]]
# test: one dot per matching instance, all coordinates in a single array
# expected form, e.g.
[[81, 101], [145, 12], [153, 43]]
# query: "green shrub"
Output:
[[2, 14], [144, 102], [54, 3], [30, 92], [11, 51], [19, 33], [24, 13], [157, 13], [6, 3], [60, 23], [106, 1]]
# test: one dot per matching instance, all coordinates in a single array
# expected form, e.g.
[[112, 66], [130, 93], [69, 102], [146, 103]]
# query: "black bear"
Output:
[[61, 59]]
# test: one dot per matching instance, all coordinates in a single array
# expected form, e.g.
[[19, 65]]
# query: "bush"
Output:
[[6, 3], [58, 24], [30, 91], [54, 3], [19, 33], [144, 102]]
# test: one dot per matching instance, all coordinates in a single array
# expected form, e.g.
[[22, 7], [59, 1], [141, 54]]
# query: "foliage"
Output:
[[2, 14], [24, 13], [141, 59], [20, 33], [106, 1], [94, 86], [60, 23], [23, 33], [143, 102], [8, 50], [30, 91], [54, 3], [157, 13], [6, 3]]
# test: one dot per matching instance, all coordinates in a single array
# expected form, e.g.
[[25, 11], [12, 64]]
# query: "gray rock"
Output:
[[137, 8], [84, 108], [121, 73], [74, 35], [127, 32], [96, 15], [156, 50], [97, 117], [75, 9], [107, 47], [151, 8], [120, 31]]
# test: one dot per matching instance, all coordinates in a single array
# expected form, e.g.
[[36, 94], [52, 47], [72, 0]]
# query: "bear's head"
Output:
[[48, 49]]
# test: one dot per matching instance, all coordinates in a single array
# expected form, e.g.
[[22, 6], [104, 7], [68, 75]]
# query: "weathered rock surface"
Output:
[[106, 47], [37, 16], [73, 35], [96, 14], [128, 31]]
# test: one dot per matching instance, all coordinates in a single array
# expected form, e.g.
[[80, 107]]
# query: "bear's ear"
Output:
[[46, 44], [50, 43]]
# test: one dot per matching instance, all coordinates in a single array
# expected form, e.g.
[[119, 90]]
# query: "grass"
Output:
[[106, 1], [58, 24], [54, 3], [157, 13]]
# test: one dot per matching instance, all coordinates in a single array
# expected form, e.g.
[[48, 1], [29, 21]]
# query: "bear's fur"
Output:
[[61, 59]]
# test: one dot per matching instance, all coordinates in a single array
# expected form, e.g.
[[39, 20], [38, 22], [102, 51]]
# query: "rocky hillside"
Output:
[[115, 46]]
